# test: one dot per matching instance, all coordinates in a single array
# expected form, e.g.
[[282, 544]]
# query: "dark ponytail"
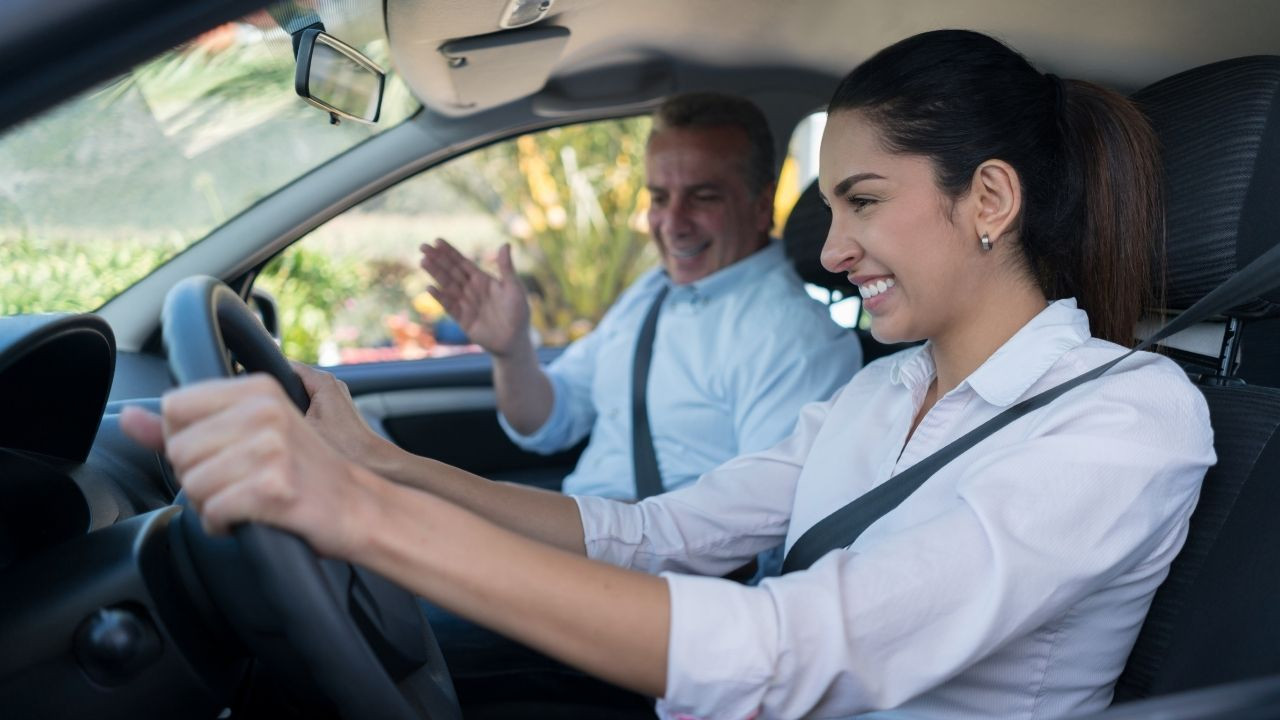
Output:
[[1093, 210], [1112, 152]]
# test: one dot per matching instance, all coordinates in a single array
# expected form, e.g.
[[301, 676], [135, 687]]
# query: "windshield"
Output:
[[101, 190]]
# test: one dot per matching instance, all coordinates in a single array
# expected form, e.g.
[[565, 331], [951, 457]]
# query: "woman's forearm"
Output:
[[549, 517], [542, 515], [605, 620]]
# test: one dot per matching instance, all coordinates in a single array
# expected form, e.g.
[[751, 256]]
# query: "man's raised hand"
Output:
[[494, 312]]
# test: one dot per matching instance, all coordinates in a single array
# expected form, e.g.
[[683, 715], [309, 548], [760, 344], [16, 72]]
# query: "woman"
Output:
[[998, 213]]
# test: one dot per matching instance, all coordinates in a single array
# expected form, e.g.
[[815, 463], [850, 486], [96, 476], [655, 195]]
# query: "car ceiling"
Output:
[[1123, 44], [53, 49]]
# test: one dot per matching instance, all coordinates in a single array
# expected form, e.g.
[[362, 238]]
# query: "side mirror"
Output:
[[264, 306], [336, 77]]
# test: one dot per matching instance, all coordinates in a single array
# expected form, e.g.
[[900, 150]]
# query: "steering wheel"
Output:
[[360, 639]]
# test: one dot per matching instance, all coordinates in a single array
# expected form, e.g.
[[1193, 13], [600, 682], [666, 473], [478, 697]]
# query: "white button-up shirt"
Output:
[[1011, 584], [735, 357]]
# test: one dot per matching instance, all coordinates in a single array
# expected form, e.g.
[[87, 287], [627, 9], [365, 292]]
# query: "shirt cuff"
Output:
[[546, 439], [721, 651], [611, 530]]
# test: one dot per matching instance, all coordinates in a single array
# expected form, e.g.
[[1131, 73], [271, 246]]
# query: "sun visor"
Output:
[[489, 70], [630, 88]]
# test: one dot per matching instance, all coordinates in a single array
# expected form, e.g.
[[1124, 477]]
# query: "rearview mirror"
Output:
[[336, 77]]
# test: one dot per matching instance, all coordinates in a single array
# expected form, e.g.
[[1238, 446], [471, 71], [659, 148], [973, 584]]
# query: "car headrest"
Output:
[[803, 236], [1219, 127]]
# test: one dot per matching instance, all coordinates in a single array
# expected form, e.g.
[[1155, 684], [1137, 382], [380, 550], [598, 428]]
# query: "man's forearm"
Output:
[[524, 391]]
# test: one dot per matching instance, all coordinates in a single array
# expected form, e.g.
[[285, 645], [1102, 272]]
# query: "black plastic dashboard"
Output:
[[65, 467], [55, 376], [93, 600]]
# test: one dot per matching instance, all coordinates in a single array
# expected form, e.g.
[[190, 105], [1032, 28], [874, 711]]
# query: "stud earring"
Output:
[[986, 242]]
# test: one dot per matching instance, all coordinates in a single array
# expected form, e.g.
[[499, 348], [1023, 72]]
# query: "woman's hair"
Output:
[[1092, 221]]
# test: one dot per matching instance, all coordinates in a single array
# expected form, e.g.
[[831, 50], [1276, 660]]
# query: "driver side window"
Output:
[[571, 201]]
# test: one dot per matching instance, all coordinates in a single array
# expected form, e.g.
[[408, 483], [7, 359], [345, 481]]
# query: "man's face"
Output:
[[702, 214]]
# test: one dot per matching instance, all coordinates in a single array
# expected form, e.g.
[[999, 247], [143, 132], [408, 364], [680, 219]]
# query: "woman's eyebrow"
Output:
[[843, 186]]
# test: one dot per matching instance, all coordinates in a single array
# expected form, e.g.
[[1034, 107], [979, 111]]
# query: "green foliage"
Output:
[[311, 288], [572, 201], [71, 273], [101, 190]]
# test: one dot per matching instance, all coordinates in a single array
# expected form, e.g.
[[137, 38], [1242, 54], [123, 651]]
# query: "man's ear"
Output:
[[997, 195]]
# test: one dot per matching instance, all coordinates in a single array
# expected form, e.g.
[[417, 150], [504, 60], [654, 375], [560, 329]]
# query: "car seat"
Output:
[[1215, 618]]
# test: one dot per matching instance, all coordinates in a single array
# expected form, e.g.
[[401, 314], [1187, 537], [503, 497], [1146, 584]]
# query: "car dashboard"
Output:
[[96, 599]]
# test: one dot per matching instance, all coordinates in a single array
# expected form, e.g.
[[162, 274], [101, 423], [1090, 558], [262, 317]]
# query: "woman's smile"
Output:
[[875, 291]]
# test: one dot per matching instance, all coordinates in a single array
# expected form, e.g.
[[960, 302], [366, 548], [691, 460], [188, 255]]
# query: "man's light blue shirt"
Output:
[[736, 355]]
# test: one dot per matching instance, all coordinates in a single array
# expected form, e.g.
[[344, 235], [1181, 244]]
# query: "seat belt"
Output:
[[643, 457], [841, 528]]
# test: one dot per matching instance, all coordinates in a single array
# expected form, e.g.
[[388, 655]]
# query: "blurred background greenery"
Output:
[[571, 201], [99, 192]]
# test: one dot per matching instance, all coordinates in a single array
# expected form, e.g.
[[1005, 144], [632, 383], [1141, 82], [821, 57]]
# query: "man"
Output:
[[738, 346]]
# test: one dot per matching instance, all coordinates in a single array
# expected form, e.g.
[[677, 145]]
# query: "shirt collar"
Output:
[[1017, 365], [913, 368], [725, 279]]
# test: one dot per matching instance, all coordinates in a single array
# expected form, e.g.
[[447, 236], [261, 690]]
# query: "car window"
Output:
[[97, 193], [571, 201]]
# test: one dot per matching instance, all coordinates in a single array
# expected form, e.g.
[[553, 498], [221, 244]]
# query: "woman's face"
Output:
[[896, 236]]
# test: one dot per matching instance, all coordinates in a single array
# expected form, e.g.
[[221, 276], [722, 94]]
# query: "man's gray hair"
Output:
[[711, 109]]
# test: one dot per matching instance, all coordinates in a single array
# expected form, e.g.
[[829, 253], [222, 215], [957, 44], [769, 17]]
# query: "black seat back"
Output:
[[1216, 618]]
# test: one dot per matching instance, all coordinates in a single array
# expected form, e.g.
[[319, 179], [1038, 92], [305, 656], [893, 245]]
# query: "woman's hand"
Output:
[[243, 453], [333, 414]]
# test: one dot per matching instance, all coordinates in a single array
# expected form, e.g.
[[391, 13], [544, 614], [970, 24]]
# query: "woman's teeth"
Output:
[[872, 289]]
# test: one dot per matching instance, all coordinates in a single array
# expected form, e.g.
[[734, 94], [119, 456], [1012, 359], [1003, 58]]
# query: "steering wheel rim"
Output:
[[350, 628]]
